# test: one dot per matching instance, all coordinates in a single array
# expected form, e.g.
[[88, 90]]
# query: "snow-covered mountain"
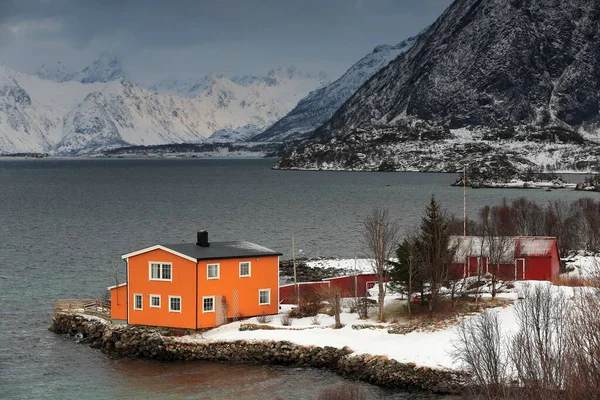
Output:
[[517, 80], [187, 87], [105, 68], [70, 117], [57, 72], [32, 110], [320, 105]]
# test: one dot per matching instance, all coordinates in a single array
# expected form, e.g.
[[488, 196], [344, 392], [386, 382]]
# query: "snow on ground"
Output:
[[360, 265], [424, 348], [584, 266], [431, 349]]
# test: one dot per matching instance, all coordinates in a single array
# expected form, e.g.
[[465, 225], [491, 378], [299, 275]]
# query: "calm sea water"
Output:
[[65, 223]]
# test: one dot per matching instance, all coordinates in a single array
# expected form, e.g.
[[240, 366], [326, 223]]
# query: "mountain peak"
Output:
[[56, 72], [487, 76], [281, 74], [321, 104], [105, 68]]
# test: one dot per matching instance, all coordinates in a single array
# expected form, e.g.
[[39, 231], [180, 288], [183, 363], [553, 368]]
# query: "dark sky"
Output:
[[155, 39]]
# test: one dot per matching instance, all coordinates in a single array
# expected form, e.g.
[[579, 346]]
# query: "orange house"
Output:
[[197, 285]]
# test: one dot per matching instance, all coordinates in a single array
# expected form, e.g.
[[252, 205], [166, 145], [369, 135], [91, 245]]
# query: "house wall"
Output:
[[346, 284], [264, 274], [118, 303], [506, 272], [456, 271], [182, 284], [538, 268], [555, 262], [287, 293]]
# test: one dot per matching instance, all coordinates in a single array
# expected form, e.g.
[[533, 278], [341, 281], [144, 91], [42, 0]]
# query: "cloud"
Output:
[[7, 37], [337, 31]]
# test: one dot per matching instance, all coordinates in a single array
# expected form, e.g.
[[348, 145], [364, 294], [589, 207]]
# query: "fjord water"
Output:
[[65, 223]]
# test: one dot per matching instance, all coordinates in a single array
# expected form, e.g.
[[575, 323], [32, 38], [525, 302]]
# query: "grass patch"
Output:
[[576, 281]]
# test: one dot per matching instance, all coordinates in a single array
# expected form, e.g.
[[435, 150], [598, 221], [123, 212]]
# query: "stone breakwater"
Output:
[[155, 343]]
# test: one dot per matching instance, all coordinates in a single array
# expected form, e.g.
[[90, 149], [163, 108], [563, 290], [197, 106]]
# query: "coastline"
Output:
[[166, 345]]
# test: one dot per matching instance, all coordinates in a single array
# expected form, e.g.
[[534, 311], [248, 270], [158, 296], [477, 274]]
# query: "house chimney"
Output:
[[203, 239]]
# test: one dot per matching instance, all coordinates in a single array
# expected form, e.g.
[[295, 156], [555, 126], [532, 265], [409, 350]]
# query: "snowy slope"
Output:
[[32, 110], [104, 69], [321, 104], [517, 74], [57, 72], [38, 115], [188, 87], [124, 113], [254, 102]]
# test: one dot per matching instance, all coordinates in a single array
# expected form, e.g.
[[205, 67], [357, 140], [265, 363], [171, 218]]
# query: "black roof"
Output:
[[219, 250]]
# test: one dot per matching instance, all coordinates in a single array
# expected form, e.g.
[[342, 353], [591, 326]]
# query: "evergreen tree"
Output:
[[433, 250], [404, 272]]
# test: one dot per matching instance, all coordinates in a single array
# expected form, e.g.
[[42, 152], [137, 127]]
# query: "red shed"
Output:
[[288, 295], [351, 285], [521, 257]]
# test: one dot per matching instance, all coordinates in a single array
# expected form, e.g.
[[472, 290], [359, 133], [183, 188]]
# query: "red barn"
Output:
[[349, 285], [518, 257], [354, 285], [288, 294]]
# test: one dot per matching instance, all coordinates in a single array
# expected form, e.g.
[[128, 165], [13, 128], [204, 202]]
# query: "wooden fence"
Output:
[[96, 307]]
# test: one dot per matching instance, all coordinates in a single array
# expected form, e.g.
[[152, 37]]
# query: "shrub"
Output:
[[286, 319], [345, 392], [552, 355], [264, 319], [308, 306], [363, 305]]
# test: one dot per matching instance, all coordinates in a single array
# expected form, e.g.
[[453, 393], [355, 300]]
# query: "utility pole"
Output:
[[355, 280], [294, 264], [464, 201]]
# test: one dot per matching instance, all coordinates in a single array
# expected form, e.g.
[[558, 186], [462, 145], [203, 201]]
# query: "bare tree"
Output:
[[479, 349], [560, 221], [589, 223], [380, 237], [527, 218], [539, 347], [497, 244], [583, 380], [554, 353], [332, 294]]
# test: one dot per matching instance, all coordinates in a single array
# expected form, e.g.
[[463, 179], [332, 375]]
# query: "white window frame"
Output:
[[208, 270], [152, 296], [213, 304], [135, 297], [160, 271], [259, 293], [180, 304], [249, 269]]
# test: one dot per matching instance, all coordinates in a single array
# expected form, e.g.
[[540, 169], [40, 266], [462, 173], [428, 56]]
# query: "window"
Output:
[[175, 303], [264, 297], [244, 268], [155, 301], [160, 271], [208, 304], [212, 271], [137, 301]]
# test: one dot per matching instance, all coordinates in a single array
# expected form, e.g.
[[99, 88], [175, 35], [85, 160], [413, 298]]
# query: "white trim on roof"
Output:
[[157, 247], [116, 286], [348, 276]]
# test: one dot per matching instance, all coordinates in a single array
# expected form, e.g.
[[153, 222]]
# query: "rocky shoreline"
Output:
[[169, 345]]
